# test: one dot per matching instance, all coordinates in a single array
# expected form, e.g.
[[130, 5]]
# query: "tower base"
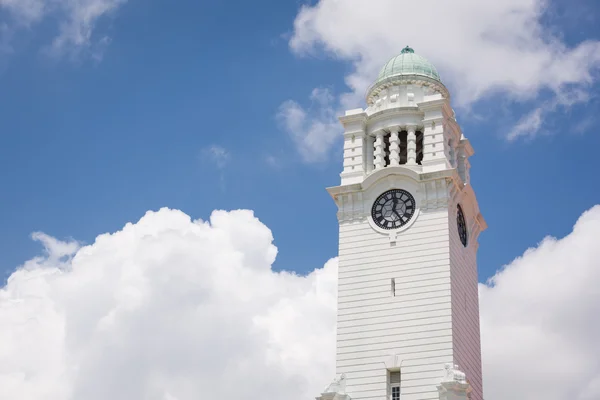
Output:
[[453, 386]]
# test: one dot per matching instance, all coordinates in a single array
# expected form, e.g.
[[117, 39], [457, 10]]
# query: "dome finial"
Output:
[[407, 49]]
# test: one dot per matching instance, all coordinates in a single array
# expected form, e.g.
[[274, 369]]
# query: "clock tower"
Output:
[[408, 311]]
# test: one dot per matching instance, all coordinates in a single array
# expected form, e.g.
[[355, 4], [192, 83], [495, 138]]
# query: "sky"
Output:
[[180, 151]]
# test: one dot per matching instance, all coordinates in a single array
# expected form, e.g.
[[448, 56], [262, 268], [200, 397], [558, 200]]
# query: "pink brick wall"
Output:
[[465, 308]]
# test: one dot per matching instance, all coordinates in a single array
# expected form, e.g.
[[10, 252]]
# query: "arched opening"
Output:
[[419, 147], [386, 147], [403, 147]]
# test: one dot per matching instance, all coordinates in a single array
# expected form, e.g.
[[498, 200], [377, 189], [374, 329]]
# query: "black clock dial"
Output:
[[462, 226], [393, 209]]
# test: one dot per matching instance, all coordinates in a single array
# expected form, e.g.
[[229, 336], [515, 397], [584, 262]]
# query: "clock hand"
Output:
[[395, 201]]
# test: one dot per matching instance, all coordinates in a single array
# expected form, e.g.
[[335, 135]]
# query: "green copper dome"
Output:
[[408, 63]]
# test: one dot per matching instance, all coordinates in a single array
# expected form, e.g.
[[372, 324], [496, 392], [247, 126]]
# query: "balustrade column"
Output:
[[379, 152], [394, 148], [411, 147]]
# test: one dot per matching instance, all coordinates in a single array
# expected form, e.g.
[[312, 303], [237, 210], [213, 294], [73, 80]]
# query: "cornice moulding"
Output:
[[420, 80]]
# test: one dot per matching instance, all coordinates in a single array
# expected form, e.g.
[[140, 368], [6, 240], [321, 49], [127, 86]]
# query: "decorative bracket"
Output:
[[336, 390], [454, 384]]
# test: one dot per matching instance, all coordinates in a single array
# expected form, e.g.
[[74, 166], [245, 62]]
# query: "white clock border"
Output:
[[395, 232]]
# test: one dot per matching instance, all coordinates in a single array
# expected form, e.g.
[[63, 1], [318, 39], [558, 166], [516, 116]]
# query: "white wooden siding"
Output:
[[415, 324]]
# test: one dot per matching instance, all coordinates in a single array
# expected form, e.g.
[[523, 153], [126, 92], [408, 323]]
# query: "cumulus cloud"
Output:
[[167, 308], [174, 309], [76, 22], [313, 131], [481, 48], [539, 320]]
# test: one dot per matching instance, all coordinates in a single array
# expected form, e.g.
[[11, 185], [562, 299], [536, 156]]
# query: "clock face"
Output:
[[462, 226], [393, 209]]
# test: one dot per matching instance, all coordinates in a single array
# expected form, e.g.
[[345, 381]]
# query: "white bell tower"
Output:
[[408, 311]]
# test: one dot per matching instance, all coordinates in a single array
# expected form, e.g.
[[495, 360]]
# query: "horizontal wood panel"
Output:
[[378, 260], [398, 253], [392, 312], [404, 294], [392, 339], [398, 319], [408, 356], [418, 271], [394, 332], [430, 234], [359, 302], [400, 351], [393, 304], [401, 287], [375, 346]]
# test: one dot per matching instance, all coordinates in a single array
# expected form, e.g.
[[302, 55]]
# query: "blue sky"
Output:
[[94, 135]]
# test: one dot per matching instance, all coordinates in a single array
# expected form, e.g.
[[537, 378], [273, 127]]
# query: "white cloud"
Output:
[[528, 126], [480, 48], [55, 249], [531, 125], [25, 11], [166, 308], [76, 22], [218, 155], [314, 130], [539, 320], [169, 308]]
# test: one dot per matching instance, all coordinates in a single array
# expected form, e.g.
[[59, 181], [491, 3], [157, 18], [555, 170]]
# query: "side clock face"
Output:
[[393, 209], [462, 226]]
